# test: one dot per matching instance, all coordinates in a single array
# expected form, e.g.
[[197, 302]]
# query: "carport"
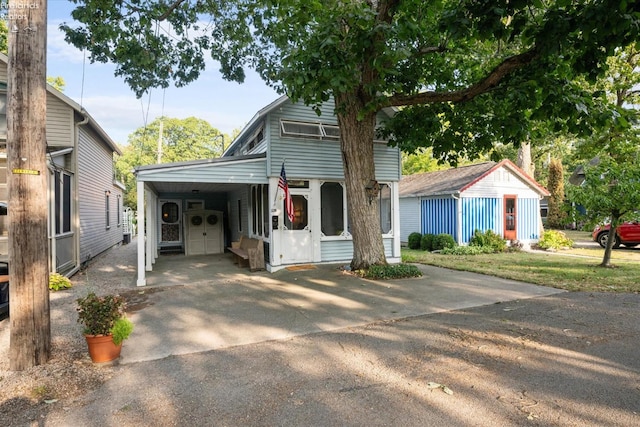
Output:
[[200, 185]]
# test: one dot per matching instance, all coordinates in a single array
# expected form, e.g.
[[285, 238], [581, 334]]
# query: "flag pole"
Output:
[[278, 187]]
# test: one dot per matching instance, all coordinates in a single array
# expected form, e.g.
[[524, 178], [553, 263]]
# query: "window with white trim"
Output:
[[107, 217], [119, 210], [384, 201], [62, 191], [331, 131], [303, 129], [332, 211], [260, 210]]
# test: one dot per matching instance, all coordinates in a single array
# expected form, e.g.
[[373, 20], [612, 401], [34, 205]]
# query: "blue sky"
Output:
[[225, 105]]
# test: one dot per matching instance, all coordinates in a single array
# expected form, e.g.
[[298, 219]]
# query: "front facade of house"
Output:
[[487, 196], [85, 201], [241, 190]]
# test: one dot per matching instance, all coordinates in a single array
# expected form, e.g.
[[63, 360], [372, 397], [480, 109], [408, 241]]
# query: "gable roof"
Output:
[[457, 180], [78, 109], [256, 120]]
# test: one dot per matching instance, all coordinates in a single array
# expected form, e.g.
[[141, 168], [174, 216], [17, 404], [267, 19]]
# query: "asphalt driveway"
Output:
[[202, 303]]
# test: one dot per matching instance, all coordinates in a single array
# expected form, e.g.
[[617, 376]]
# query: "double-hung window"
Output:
[[62, 188]]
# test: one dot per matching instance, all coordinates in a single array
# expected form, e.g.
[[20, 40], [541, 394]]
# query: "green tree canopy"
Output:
[[468, 72], [182, 140]]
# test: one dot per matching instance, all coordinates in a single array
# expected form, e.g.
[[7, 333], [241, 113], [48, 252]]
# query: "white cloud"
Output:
[[58, 48]]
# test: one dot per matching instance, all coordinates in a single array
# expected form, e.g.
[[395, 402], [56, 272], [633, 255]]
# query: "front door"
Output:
[[510, 215], [296, 234], [204, 233], [170, 223]]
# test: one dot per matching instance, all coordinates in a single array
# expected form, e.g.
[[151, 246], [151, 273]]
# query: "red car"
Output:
[[627, 234]]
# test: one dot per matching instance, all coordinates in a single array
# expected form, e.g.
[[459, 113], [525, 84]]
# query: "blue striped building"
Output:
[[485, 196]]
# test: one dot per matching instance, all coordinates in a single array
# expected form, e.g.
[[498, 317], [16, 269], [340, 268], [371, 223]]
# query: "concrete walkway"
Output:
[[195, 304]]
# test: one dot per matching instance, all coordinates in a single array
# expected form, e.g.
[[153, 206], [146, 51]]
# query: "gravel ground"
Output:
[[563, 360], [70, 371]]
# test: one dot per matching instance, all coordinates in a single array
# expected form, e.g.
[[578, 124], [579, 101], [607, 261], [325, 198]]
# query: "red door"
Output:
[[510, 214]]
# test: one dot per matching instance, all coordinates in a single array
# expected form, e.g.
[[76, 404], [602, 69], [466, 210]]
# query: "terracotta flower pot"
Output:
[[102, 349]]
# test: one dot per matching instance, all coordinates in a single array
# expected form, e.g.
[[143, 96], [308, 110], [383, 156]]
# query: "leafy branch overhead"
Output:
[[466, 73], [398, 53]]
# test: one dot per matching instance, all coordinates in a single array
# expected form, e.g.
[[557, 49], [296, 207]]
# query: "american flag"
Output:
[[288, 203]]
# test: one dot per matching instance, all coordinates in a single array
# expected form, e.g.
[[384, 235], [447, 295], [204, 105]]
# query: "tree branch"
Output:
[[492, 80], [386, 10], [431, 49], [170, 10]]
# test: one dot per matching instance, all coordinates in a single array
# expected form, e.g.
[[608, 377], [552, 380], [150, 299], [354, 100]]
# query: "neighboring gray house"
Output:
[[239, 194], [486, 196], [85, 203]]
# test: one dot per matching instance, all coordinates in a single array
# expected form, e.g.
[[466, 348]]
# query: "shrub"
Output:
[[414, 240], [443, 240], [426, 242], [554, 239], [99, 314], [57, 281], [488, 239], [392, 271], [121, 330], [468, 250]]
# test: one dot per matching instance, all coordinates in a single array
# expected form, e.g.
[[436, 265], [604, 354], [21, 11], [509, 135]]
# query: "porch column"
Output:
[[395, 216], [142, 281]]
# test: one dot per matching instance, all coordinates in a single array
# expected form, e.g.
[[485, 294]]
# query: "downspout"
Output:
[[76, 203], [456, 197], [53, 268]]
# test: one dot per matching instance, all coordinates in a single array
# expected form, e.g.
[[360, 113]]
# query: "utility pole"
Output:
[[30, 342], [160, 142]]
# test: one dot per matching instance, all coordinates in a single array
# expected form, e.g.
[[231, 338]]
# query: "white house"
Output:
[[239, 194], [85, 199]]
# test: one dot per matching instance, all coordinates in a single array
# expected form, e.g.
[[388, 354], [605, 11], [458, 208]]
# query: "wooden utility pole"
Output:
[[30, 342]]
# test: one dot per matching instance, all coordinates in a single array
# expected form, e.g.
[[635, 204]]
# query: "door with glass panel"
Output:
[[510, 217], [296, 235]]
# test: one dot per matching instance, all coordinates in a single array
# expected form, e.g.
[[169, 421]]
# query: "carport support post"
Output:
[[142, 281]]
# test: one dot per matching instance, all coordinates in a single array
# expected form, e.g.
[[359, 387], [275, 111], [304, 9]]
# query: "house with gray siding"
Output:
[[238, 193], [85, 199], [485, 196]]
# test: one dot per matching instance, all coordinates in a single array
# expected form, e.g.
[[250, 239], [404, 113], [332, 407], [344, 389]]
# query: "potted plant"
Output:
[[105, 325]]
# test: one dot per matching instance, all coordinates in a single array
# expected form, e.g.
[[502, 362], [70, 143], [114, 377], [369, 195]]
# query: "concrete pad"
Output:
[[195, 304]]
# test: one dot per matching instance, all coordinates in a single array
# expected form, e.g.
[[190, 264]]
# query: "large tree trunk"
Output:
[[356, 139], [524, 158], [30, 342]]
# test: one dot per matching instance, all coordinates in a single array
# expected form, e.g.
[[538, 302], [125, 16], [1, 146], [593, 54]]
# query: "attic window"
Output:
[[331, 131], [312, 130], [255, 140]]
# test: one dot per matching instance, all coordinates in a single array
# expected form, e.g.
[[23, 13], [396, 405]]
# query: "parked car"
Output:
[[627, 234]]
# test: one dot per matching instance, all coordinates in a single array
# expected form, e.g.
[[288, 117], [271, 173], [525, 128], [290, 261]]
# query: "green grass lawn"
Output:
[[572, 273]]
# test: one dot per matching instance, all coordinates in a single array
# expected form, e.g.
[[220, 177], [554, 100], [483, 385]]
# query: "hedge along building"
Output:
[[485, 196], [240, 190]]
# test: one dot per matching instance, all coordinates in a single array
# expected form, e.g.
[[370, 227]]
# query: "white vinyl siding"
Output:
[[409, 217], [318, 158], [59, 123], [501, 182], [95, 179]]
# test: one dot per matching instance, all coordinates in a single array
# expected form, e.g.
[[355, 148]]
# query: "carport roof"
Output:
[[191, 163], [206, 175]]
